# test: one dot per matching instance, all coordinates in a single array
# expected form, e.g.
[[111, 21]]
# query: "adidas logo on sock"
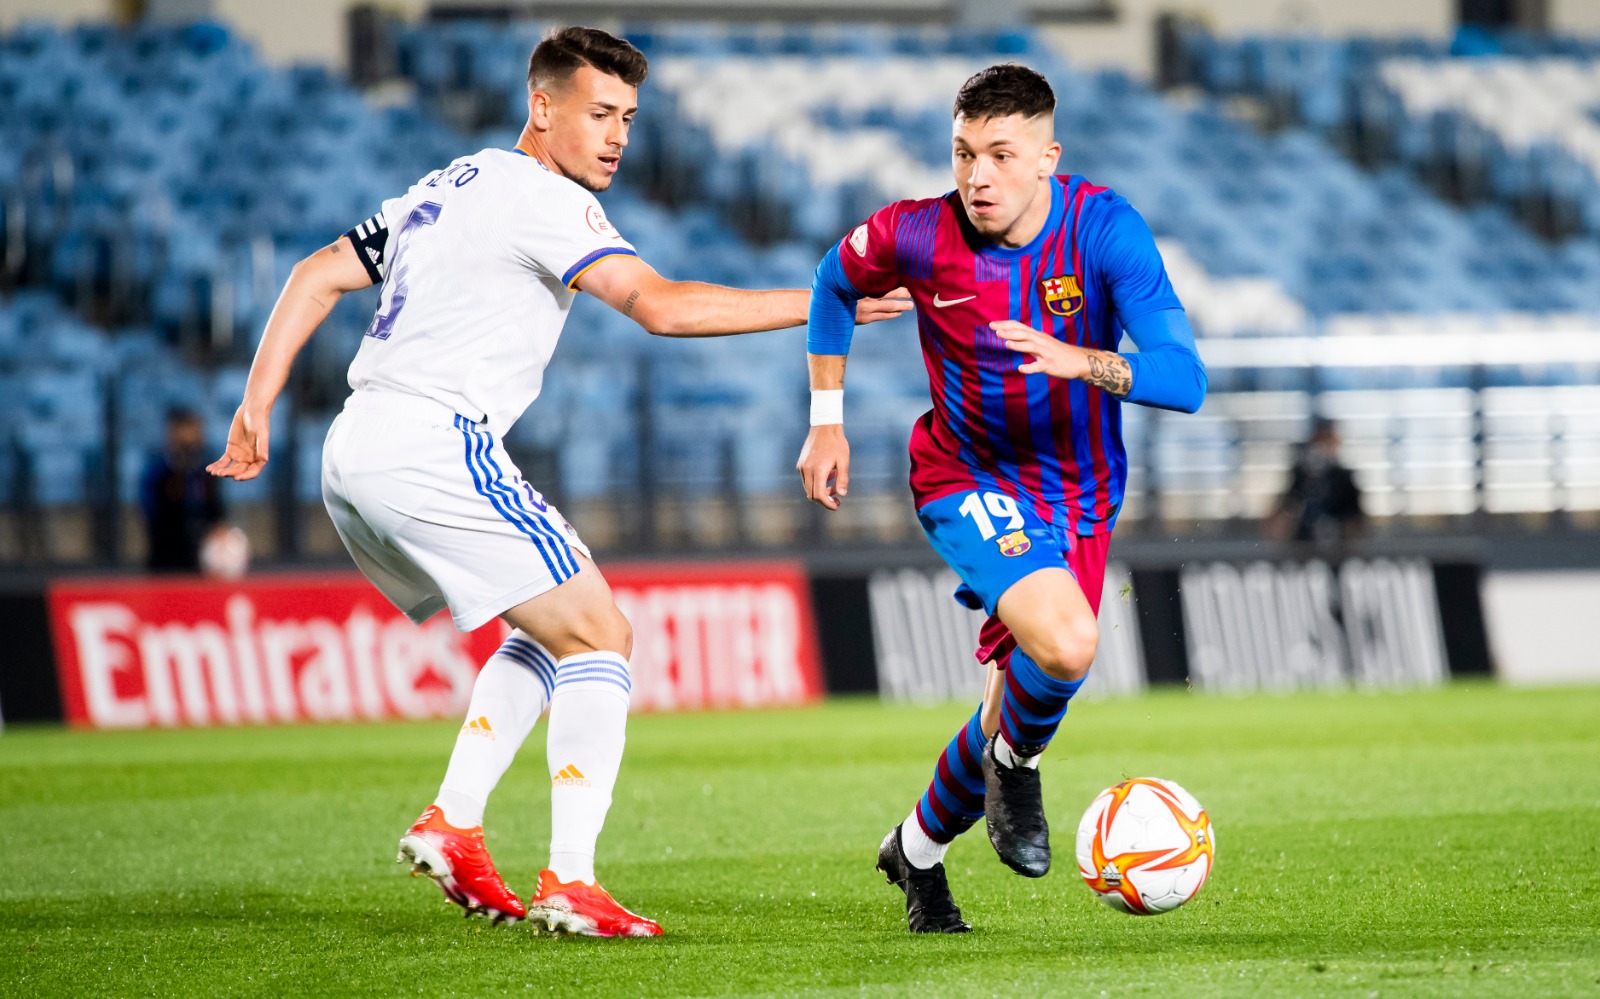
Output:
[[569, 776], [478, 726]]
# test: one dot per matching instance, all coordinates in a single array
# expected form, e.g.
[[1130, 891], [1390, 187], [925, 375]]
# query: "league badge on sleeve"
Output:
[[858, 239], [1062, 296], [1013, 544], [599, 223]]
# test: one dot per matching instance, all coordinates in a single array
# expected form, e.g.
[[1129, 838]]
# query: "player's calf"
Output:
[[1032, 707]]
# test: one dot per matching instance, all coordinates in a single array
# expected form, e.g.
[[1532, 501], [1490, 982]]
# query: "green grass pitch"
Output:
[[1427, 843]]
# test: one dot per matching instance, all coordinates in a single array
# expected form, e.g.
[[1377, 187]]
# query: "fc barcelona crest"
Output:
[[1015, 543], [1062, 296]]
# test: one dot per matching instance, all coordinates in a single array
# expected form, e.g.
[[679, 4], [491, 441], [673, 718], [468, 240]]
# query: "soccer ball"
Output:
[[1145, 846], [225, 553]]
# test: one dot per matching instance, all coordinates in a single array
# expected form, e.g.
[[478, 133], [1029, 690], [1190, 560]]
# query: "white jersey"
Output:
[[479, 263]]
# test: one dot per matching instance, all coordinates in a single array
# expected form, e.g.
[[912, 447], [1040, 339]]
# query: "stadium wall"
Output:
[[1091, 33], [1574, 17], [1127, 42], [322, 647], [1544, 626], [137, 652]]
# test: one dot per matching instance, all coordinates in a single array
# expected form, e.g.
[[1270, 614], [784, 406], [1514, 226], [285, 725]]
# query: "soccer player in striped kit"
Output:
[[1024, 281], [480, 262]]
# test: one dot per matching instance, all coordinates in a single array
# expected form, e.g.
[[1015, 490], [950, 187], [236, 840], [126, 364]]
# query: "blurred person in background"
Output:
[[1323, 502], [182, 505]]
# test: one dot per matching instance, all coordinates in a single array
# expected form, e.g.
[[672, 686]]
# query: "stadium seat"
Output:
[[167, 178]]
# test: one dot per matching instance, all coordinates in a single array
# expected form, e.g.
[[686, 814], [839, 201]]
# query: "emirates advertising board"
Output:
[[141, 652]]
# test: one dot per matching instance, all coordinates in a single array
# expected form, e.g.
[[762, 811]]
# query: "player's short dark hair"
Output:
[[563, 51], [1004, 90]]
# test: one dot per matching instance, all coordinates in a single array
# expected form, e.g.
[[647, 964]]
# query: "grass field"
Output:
[[1430, 843]]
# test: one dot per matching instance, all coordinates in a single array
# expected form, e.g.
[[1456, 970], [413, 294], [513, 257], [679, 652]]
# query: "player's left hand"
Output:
[[246, 453], [873, 310], [1049, 355]]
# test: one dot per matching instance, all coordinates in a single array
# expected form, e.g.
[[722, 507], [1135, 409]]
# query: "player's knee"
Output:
[[608, 629], [600, 627], [1069, 651]]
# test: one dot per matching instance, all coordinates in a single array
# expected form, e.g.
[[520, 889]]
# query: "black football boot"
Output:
[[929, 907], [1013, 808]]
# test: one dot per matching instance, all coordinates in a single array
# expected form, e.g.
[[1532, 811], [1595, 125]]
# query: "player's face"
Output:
[[585, 122], [1002, 166]]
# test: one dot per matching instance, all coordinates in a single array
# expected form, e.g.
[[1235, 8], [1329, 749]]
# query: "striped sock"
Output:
[[954, 799], [588, 727], [1033, 705], [508, 697]]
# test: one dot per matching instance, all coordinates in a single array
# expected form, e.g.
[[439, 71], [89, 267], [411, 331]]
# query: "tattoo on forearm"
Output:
[[336, 247], [1110, 372], [633, 299]]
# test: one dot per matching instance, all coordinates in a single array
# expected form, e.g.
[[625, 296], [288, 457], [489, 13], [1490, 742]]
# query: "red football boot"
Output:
[[459, 863], [589, 910]]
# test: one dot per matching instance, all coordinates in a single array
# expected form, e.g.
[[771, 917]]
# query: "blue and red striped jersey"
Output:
[[1093, 269]]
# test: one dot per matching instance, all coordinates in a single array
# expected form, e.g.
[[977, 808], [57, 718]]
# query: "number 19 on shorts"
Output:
[[983, 509]]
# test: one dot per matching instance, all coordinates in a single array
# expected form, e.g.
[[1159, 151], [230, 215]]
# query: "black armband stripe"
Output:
[[369, 238]]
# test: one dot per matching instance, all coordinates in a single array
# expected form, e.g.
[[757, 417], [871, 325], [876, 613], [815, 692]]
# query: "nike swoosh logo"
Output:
[[942, 303]]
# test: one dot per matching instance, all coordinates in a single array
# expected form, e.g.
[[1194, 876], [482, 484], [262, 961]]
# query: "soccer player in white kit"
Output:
[[480, 262]]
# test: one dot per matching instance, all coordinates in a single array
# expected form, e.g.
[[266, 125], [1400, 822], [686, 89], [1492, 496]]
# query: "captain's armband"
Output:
[[369, 239]]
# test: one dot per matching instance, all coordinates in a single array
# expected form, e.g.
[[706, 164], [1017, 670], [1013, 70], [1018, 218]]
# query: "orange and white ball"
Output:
[[1145, 846]]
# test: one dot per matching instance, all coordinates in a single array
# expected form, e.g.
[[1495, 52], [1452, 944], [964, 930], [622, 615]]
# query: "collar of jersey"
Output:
[[520, 152], [988, 247]]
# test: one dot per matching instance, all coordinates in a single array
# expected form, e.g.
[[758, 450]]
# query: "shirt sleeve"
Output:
[[1130, 266], [1167, 370], [566, 232], [831, 322], [867, 256]]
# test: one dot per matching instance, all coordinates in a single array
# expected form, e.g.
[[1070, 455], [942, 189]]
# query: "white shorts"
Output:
[[436, 514]]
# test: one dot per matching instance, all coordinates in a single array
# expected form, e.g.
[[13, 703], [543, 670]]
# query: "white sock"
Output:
[[1007, 757], [507, 699], [920, 850], [588, 726]]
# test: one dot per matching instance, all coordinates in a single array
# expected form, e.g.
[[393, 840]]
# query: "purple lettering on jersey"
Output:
[[534, 498], [460, 173], [394, 289]]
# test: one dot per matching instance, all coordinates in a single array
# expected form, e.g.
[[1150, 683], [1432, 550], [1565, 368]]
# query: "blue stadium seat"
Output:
[[170, 177]]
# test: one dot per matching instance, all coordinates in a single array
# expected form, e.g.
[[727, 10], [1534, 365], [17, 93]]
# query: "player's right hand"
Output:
[[246, 453], [824, 465], [876, 310]]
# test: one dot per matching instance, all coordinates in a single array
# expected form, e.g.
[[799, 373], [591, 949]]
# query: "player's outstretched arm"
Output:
[[693, 308], [315, 286], [1167, 373]]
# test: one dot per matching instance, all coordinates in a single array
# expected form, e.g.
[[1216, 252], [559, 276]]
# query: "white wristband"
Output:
[[827, 407]]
